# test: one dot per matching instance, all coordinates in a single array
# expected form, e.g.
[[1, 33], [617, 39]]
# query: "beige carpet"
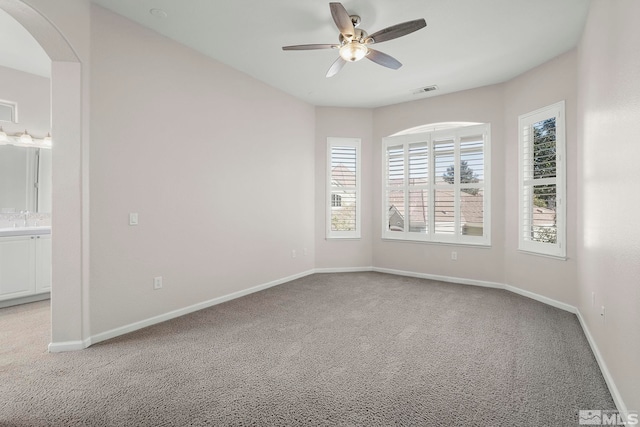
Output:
[[25, 333], [330, 349]]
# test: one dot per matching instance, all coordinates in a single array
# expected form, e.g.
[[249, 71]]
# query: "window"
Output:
[[542, 181], [437, 185], [8, 111], [343, 188]]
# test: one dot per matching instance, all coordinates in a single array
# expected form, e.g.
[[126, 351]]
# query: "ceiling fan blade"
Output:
[[342, 19], [396, 31], [383, 59], [336, 67], [311, 46]]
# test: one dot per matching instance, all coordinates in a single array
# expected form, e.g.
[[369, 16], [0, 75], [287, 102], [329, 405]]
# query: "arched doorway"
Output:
[[69, 296]]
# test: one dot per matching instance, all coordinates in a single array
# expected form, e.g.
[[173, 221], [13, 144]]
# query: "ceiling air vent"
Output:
[[425, 89]]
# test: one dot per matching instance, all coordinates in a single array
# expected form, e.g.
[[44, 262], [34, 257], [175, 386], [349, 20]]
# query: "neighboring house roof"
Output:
[[472, 207], [342, 176], [543, 216]]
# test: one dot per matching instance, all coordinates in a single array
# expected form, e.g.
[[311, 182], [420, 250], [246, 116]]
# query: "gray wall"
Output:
[[608, 237], [347, 123], [483, 105], [32, 94], [218, 165], [549, 83]]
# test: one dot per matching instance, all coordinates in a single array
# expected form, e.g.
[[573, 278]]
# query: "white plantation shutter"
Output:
[[343, 188], [444, 199], [542, 181], [425, 198], [418, 187], [471, 196], [395, 188], [472, 155]]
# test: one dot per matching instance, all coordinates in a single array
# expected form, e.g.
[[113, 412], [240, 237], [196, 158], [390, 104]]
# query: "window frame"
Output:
[[558, 249], [455, 134], [13, 110], [329, 201]]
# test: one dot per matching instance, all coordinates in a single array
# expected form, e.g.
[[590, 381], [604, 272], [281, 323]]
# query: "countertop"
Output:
[[24, 231]]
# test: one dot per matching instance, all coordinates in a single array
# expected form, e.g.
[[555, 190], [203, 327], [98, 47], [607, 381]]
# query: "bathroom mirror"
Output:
[[25, 179]]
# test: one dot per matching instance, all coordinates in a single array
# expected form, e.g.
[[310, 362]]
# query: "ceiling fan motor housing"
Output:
[[359, 36]]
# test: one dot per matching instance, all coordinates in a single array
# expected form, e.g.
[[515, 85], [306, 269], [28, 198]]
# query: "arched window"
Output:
[[437, 184]]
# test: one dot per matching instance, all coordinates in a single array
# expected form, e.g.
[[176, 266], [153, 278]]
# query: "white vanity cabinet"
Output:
[[43, 263], [25, 265], [17, 266]]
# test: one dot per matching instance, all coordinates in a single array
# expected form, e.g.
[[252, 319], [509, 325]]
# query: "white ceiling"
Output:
[[466, 44]]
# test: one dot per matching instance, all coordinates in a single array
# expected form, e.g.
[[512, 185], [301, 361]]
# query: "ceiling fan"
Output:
[[354, 42]]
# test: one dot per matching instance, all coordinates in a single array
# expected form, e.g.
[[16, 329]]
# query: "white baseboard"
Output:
[[449, 279], [615, 393], [343, 270], [25, 300], [59, 347], [549, 301], [483, 283]]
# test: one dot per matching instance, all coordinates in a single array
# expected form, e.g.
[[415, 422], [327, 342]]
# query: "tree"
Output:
[[467, 175], [544, 148], [343, 220], [545, 234], [544, 161]]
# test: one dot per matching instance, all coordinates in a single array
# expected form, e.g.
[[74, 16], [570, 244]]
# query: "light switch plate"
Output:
[[133, 218]]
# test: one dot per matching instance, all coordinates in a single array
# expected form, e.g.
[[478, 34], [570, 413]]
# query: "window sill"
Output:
[[432, 242], [540, 254]]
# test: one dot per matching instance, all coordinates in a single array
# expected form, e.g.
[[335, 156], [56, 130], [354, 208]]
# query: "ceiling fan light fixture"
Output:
[[353, 51]]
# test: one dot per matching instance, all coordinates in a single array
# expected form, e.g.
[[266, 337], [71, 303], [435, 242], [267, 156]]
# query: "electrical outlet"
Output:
[[593, 299], [293, 253], [157, 282], [454, 255]]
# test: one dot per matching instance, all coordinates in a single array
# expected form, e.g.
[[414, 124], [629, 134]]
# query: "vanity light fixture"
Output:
[[25, 138]]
